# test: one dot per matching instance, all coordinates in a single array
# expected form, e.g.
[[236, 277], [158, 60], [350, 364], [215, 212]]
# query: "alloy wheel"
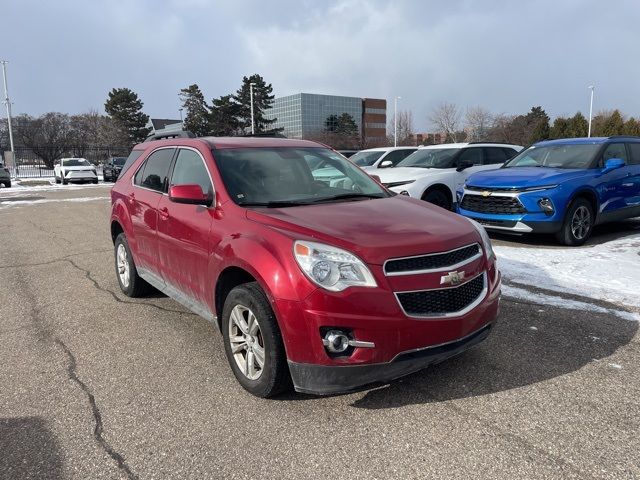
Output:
[[122, 263], [247, 344], [581, 222]]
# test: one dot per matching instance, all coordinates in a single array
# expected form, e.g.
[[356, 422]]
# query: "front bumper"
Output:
[[80, 176], [331, 380], [519, 224]]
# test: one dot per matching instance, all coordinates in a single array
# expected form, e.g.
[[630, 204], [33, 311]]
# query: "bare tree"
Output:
[[405, 128], [446, 118], [48, 136], [478, 123]]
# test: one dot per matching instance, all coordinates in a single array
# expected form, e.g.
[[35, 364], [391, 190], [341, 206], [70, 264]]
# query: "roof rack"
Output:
[[174, 134], [489, 141], [268, 134]]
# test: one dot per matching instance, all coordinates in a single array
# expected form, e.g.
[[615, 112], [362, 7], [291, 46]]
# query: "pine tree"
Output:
[[262, 100], [577, 126], [632, 127], [224, 116], [347, 126], [125, 108], [560, 128], [198, 117], [614, 125], [537, 124]]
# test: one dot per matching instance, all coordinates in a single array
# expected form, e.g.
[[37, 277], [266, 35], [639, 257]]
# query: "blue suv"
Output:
[[558, 186]]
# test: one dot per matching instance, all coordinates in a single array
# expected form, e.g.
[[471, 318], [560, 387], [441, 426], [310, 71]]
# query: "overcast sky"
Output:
[[505, 55]]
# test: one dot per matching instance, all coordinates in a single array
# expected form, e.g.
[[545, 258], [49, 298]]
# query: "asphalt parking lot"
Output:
[[97, 385]]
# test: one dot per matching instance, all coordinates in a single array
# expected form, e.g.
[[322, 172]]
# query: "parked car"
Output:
[[348, 153], [112, 168], [5, 176], [434, 173], [74, 170], [563, 187], [325, 286], [384, 157]]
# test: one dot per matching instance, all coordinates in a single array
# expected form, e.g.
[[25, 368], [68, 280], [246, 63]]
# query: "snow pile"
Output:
[[608, 272], [8, 204]]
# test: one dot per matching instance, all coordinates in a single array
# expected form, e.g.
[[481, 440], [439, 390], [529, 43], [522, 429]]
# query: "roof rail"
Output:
[[623, 136], [490, 141], [174, 134], [267, 134]]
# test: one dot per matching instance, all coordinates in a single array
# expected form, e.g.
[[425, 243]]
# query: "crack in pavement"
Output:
[[97, 416], [50, 262]]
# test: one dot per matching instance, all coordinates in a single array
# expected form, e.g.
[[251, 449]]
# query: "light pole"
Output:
[[591, 87], [253, 130], [395, 120], [181, 120], [7, 103]]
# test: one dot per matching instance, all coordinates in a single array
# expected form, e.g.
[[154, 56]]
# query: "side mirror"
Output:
[[385, 164], [189, 194], [613, 164], [462, 166]]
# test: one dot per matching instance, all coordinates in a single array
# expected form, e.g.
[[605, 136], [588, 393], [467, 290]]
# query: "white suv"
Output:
[[75, 170], [435, 172], [385, 157]]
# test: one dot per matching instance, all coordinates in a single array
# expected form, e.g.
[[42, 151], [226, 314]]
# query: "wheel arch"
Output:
[[441, 187], [590, 195]]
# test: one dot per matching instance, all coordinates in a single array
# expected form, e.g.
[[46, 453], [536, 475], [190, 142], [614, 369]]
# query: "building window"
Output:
[[375, 110]]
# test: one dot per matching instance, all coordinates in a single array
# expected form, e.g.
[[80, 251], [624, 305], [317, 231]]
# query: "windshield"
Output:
[[76, 162], [366, 159], [119, 161], [282, 177], [556, 156], [430, 158]]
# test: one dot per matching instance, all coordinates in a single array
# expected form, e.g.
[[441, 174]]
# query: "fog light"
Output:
[[546, 205], [404, 192], [336, 341]]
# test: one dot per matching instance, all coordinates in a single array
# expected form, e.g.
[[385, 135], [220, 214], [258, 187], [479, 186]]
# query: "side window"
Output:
[[153, 174], [190, 169], [472, 156], [395, 157], [635, 153], [509, 153], [131, 159], [614, 150], [493, 155]]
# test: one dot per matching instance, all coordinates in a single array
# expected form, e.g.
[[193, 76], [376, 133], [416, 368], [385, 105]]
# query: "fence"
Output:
[[28, 164]]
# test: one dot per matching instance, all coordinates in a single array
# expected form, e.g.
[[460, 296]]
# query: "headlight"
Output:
[[332, 268], [486, 241], [398, 184]]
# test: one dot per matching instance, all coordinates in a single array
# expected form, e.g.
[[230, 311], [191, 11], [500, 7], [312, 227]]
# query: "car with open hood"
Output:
[[321, 283], [564, 187]]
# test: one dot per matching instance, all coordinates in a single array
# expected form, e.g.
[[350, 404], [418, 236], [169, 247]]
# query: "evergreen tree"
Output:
[[125, 108], [262, 101], [560, 128], [346, 125], [614, 125], [198, 117], [224, 116], [578, 126], [632, 127], [537, 125]]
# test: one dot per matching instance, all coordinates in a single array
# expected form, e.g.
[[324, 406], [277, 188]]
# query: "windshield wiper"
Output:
[[273, 204], [346, 196]]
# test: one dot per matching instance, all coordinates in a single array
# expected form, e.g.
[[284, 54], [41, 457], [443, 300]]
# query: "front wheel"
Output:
[[578, 223], [439, 198], [131, 284], [253, 342], [7, 184]]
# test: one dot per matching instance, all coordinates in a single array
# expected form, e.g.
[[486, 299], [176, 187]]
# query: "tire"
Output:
[[65, 182], [95, 181], [58, 180], [136, 286], [578, 223], [438, 197], [273, 377], [7, 184]]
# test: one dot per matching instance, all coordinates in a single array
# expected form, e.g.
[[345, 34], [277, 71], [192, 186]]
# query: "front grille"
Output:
[[428, 303], [492, 204], [432, 261]]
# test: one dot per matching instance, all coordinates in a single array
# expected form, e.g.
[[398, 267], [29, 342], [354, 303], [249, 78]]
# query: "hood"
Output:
[[374, 229], [523, 177], [401, 174]]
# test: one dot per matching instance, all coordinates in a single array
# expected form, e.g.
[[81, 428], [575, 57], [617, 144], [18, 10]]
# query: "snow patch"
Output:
[[49, 200]]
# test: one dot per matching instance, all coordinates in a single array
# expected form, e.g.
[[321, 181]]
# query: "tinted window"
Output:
[[155, 170], [494, 155], [75, 162], [635, 153], [396, 156], [189, 169], [472, 156], [430, 158], [366, 159], [133, 156], [509, 153], [119, 161], [556, 156], [614, 150]]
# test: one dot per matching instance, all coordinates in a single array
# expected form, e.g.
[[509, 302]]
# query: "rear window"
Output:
[[131, 159]]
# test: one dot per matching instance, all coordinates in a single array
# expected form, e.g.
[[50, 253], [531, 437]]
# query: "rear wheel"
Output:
[[438, 197], [253, 342], [131, 284], [64, 181], [578, 223], [57, 180], [7, 184]]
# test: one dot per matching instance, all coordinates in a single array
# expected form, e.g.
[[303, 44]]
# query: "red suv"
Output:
[[318, 277]]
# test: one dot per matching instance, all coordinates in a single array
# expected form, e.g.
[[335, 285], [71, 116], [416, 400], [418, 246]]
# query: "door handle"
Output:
[[164, 213]]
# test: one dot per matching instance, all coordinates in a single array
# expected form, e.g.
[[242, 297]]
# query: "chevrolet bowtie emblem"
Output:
[[452, 278], [486, 193]]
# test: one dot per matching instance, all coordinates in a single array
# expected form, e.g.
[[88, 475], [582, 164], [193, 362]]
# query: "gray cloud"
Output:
[[503, 55]]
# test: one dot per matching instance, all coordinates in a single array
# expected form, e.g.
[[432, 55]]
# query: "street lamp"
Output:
[[395, 121], [591, 87], [251, 97], [181, 120], [7, 103]]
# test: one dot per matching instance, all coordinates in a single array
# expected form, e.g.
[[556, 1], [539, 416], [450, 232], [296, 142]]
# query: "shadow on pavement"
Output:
[[28, 449], [514, 355]]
